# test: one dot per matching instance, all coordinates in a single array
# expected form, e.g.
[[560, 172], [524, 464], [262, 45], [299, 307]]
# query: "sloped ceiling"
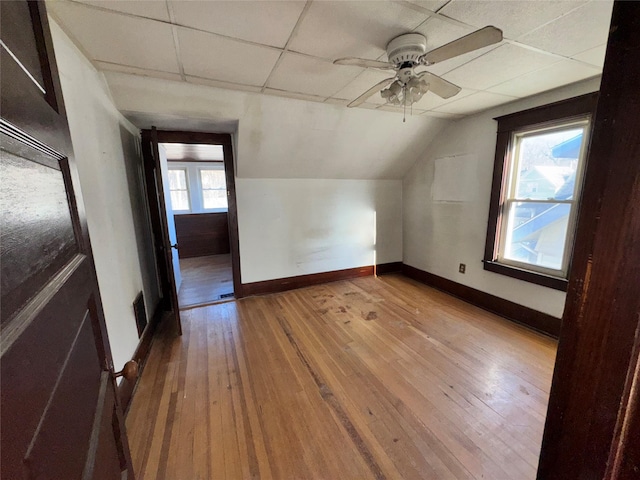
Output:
[[245, 66], [281, 137]]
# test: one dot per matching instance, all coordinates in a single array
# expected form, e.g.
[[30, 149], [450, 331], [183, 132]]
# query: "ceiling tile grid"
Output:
[[221, 58], [286, 48], [267, 23]]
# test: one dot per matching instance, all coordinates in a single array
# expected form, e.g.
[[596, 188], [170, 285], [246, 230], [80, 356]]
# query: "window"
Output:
[[540, 157], [214, 188], [197, 187], [179, 188]]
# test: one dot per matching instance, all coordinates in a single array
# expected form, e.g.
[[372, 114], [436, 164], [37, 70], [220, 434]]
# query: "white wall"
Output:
[[292, 227], [105, 146], [439, 235], [290, 224]]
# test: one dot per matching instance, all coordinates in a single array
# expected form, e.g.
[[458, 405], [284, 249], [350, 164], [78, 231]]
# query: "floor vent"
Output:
[[226, 295]]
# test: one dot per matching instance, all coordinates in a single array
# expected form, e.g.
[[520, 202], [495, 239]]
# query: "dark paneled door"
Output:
[[60, 414], [156, 197]]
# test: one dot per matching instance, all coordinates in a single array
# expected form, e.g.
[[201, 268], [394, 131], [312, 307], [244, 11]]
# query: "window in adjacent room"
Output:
[[214, 188], [179, 189], [540, 160]]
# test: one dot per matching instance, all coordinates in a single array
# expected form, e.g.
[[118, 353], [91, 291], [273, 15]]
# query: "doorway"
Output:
[[191, 190], [197, 200]]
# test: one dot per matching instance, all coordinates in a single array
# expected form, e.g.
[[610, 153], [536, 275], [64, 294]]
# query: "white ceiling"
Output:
[[286, 48]]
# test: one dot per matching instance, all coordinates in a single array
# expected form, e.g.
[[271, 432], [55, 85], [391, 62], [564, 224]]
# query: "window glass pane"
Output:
[[547, 163], [177, 180], [179, 200], [536, 233], [213, 179], [214, 198]]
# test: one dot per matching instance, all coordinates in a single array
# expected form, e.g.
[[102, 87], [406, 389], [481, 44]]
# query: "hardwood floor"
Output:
[[379, 378], [204, 279]]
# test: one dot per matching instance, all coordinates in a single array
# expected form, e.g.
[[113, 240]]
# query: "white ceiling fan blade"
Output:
[[481, 38], [362, 62], [375, 89], [439, 85]]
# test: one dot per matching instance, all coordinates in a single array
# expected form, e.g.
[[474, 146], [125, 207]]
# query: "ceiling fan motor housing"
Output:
[[406, 48]]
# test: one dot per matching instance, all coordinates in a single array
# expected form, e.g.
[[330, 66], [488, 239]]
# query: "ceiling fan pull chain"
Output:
[[404, 105]]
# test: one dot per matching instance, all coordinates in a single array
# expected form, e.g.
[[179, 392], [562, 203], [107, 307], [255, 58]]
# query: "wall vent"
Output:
[[141, 313]]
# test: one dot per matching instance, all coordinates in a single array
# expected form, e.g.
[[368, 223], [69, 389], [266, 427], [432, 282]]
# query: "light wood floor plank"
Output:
[[375, 378]]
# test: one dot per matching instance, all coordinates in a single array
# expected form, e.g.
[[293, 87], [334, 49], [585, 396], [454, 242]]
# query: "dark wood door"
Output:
[[593, 421], [158, 213], [60, 415]]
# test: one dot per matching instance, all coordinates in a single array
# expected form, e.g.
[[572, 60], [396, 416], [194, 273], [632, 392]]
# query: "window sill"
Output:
[[527, 275], [200, 212]]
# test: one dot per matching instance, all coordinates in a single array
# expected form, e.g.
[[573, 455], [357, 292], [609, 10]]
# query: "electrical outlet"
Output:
[[462, 268]]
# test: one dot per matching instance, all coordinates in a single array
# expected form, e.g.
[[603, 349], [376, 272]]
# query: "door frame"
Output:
[[204, 138], [593, 420]]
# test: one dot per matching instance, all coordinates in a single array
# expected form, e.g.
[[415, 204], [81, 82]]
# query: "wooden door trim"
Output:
[[597, 353], [224, 139]]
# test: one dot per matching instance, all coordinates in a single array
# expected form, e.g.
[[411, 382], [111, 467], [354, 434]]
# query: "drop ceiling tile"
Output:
[[408, 112], [594, 56], [475, 103], [117, 38], [556, 75], [431, 101], [448, 116], [302, 74], [432, 5], [156, 10], [455, 62], [337, 101], [440, 32], [217, 83], [352, 29], [514, 17], [499, 65], [364, 82], [114, 67], [219, 58], [368, 106], [269, 23], [582, 29], [297, 96]]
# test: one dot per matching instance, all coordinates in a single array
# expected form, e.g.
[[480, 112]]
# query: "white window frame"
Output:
[[194, 185], [510, 198], [201, 188], [188, 190]]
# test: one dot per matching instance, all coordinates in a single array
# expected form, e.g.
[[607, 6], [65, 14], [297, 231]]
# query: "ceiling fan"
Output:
[[409, 51]]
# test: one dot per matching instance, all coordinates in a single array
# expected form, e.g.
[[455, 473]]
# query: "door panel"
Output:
[[171, 224], [70, 412], [30, 257], [159, 223], [21, 42], [55, 361], [104, 460]]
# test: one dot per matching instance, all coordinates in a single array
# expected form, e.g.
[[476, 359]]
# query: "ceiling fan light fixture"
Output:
[[393, 93], [405, 94], [408, 51]]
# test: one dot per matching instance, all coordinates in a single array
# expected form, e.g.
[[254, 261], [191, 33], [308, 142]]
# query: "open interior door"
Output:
[[171, 223], [158, 201], [60, 414]]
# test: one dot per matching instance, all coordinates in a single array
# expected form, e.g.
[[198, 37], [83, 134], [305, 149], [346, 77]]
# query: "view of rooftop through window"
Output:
[[539, 205]]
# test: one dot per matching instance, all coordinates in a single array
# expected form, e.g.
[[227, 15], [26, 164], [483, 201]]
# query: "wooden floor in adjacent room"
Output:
[[205, 280], [374, 378]]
